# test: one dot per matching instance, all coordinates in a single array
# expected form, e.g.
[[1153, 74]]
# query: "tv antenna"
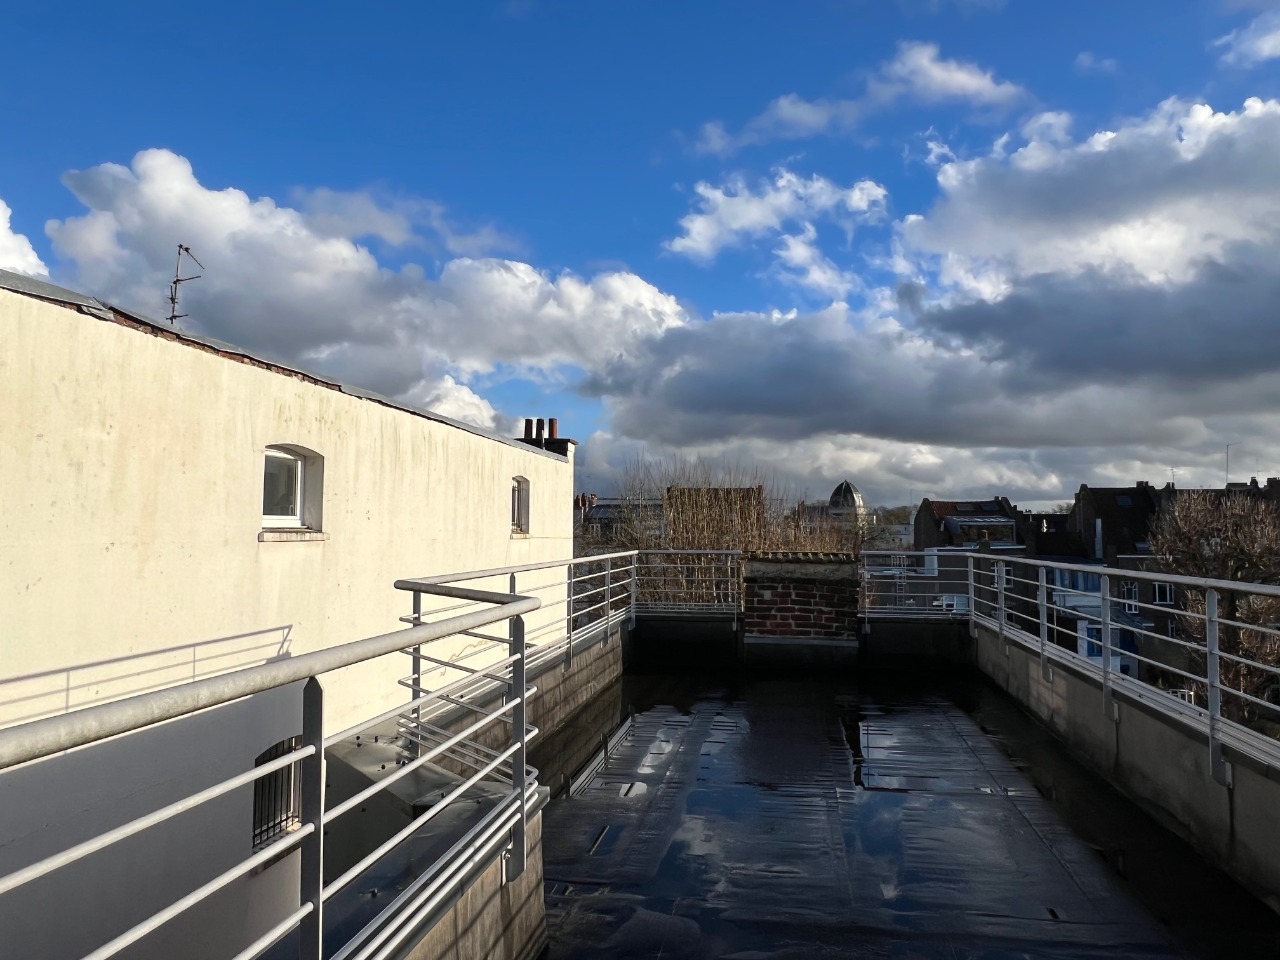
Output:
[[178, 278]]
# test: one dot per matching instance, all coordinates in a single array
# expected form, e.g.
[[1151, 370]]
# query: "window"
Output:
[[292, 482], [519, 505], [282, 476], [1123, 500], [1164, 593], [1129, 593], [1171, 628], [277, 797]]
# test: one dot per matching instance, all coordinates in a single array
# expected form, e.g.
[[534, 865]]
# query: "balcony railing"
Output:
[[689, 581], [1206, 655]]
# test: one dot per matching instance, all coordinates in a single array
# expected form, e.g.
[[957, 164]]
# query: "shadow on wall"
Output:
[[44, 694]]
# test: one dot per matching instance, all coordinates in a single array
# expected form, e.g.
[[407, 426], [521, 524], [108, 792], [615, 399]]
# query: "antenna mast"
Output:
[[174, 315]]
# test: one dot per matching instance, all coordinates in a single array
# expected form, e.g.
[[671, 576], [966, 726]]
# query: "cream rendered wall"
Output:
[[130, 507]]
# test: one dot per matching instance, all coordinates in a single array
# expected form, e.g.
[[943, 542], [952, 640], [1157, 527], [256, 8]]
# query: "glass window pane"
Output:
[[280, 487]]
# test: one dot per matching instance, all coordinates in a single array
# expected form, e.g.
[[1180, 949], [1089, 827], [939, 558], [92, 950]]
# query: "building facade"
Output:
[[176, 508]]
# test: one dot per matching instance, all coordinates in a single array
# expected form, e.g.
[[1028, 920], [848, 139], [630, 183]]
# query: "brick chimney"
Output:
[[545, 435]]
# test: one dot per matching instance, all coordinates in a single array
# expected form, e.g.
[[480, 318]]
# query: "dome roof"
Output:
[[846, 495]]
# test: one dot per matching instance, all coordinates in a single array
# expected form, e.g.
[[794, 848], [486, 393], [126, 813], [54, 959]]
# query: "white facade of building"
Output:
[[134, 555]]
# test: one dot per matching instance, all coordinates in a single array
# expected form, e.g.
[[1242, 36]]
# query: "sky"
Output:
[[953, 248]]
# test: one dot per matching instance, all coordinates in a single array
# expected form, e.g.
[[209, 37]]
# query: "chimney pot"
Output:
[[540, 427], [528, 428], [553, 429]]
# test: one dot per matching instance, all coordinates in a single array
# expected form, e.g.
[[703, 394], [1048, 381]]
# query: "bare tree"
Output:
[[685, 504], [1232, 536]]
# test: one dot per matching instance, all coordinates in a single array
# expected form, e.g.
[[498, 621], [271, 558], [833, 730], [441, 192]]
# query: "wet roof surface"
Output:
[[803, 819]]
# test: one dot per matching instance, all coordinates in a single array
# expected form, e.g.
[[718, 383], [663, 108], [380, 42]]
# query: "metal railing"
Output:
[[1204, 653], [502, 771], [689, 581], [897, 584]]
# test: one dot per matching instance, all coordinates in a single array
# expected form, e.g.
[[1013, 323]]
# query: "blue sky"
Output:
[[954, 247]]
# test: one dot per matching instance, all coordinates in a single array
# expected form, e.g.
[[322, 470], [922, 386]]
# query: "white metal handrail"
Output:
[[1219, 672], [34, 740]]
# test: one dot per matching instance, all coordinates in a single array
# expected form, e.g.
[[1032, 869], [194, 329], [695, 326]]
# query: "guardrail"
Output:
[[1202, 652], [503, 824], [913, 584], [689, 581], [1207, 654]]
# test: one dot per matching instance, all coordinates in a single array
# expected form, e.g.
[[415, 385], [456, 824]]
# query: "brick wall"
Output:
[[800, 595]]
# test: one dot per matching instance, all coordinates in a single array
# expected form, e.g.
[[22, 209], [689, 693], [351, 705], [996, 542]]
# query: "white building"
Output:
[[173, 508]]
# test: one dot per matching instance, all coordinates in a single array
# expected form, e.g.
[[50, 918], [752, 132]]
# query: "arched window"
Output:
[[519, 505], [292, 487]]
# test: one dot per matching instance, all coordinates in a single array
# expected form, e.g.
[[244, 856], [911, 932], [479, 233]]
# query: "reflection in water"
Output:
[[800, 818]]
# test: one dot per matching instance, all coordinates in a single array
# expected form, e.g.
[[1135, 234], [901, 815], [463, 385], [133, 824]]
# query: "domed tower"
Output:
[[846, 502]]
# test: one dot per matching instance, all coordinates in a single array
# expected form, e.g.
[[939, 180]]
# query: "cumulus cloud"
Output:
[[1094, 308], [1156, 198], [16, 252], [917, 74], [729, 214], [399, 221], [1253, 44], [293, 283]]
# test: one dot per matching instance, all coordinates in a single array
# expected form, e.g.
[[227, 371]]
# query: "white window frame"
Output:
[[519, 507], [1159, 588], [282, 521], [1129, 594]]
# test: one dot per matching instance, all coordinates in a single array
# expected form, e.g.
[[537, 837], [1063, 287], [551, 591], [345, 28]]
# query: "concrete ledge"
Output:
[[816, 651], [291, 536], [1160, 763]]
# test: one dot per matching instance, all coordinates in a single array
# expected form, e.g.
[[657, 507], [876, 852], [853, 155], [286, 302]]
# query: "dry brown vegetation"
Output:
[[683, 504], [1228, 537]]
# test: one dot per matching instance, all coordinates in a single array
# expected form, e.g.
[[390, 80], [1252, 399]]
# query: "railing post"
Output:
[[735, 587], [516, 694], [1218, 767], [415, 742], [635, 576], [1108, 701], [1000, 596], [1042, 602], [608, 597], [311, 927], [972, 592]]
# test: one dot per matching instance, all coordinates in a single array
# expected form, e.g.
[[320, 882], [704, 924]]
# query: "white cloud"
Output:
[[939, 153], [1253, 44], [917, 74], [16, 252], [452, 399], [800, 262], [1087, 62], [398, 222], [1081, 308], [1157, 197], [294, 284], [729, 214]]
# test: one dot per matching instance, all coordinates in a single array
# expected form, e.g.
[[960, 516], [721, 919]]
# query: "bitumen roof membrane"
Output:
[[807, 819]]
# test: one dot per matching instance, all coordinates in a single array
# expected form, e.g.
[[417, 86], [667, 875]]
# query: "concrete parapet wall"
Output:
[[1160, 763], [490, 919], [800, 595]]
